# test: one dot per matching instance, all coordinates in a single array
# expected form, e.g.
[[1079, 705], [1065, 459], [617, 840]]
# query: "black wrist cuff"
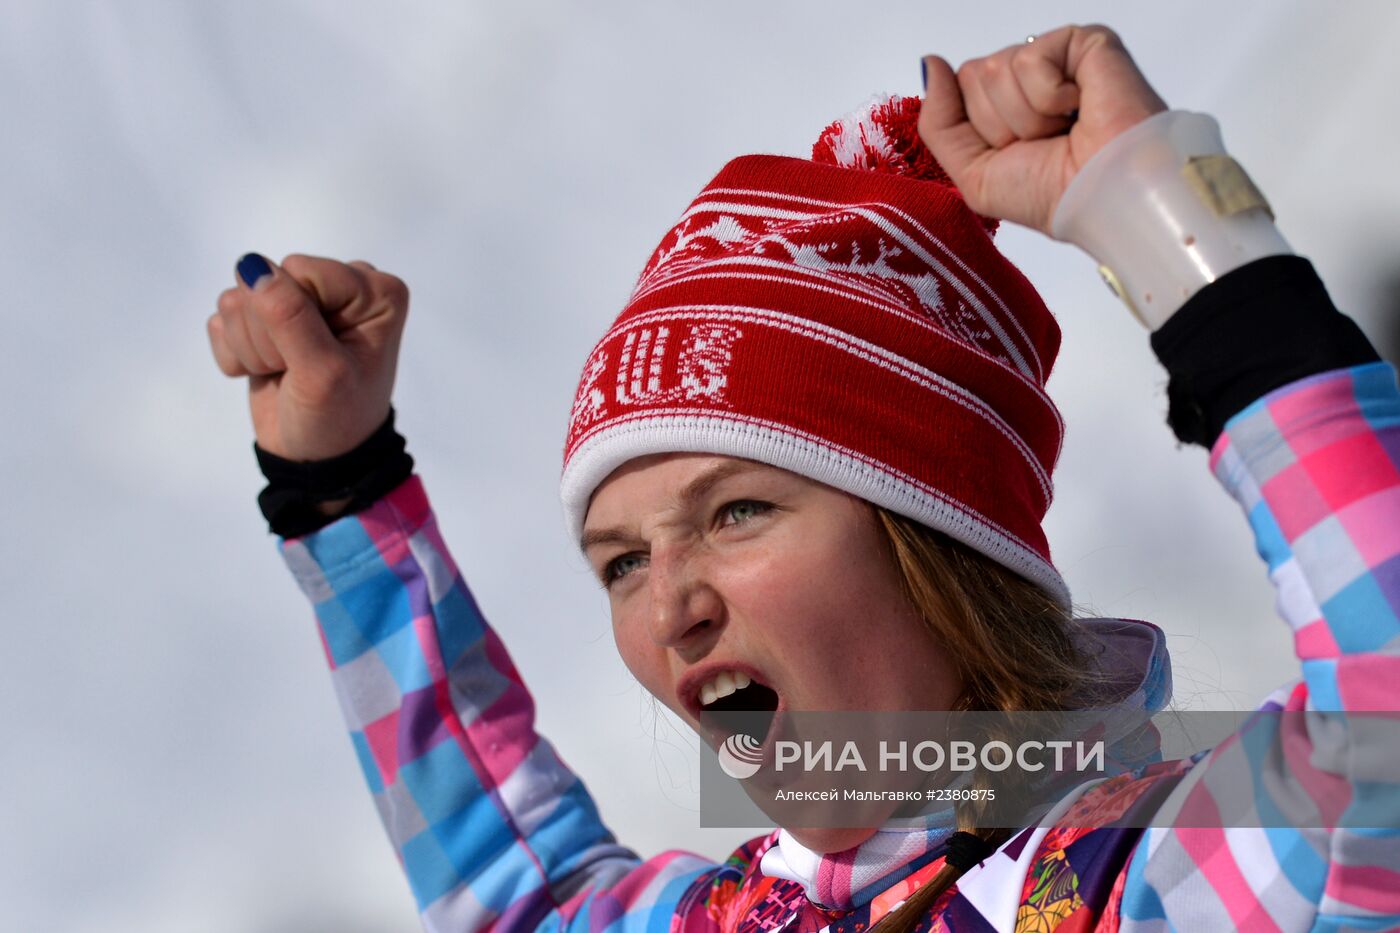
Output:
[[1258, 327], [363, 475]]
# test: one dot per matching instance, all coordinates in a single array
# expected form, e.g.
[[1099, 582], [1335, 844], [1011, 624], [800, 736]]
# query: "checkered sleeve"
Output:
[[491, 828], [1316, 467]]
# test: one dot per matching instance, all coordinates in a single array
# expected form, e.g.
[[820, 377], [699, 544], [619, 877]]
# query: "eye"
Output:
[[742, 510], [619, 567], [731, 513]]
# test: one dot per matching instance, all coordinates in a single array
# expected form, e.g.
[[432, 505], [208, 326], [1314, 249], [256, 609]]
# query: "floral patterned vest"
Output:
[[1074, 882]]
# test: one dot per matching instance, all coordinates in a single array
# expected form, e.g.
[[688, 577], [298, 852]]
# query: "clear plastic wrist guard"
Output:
[[1165, 211]]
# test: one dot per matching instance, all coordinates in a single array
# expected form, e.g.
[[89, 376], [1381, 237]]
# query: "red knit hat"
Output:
[[847, 319]]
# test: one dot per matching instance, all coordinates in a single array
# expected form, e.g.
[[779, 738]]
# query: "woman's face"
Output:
[[715, 564]]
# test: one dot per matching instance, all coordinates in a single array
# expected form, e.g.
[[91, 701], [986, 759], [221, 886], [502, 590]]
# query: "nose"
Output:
[[687, 612]]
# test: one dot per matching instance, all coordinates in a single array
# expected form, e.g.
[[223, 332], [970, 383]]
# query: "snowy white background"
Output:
[[172, 756]]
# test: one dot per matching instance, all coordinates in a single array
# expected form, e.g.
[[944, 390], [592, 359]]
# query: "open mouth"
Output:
[[753, 706]]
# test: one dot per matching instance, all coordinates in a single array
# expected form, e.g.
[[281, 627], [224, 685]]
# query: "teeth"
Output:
[[723, 684]]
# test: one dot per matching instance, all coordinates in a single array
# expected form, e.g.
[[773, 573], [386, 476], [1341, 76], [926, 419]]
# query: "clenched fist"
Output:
[[319, 341], [1002, 129]]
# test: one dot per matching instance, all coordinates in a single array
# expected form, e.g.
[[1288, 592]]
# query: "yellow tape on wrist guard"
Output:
[[1223, 185]]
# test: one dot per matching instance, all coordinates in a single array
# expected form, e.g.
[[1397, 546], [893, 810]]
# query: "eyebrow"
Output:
[[691, 493]]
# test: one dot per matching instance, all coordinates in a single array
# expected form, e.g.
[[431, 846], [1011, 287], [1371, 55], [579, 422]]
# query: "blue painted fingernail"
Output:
[[923, 73], [252, 268]]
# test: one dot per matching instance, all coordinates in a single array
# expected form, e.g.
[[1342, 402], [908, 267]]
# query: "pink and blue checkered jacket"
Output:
[[495, 832]]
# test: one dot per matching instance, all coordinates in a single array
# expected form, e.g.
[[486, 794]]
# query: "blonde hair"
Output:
[[1013, 646]]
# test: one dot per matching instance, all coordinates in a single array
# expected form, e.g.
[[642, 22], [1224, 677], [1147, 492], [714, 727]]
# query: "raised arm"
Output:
[[1313, 464], [1304, 425], [492, 829]]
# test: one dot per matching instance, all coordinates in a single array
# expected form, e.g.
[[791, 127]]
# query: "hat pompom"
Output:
[[883, 136]]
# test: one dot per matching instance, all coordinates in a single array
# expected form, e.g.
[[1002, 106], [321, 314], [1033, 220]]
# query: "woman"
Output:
[[809, 463]]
